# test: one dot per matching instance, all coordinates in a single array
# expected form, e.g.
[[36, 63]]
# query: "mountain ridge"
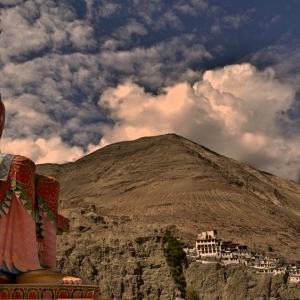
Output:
[[121, 198]]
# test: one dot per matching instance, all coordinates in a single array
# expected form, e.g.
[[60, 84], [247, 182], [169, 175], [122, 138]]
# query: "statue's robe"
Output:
[[29, 220]]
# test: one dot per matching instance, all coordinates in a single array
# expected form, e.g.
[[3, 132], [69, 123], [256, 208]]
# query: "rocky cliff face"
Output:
[[122, 197], [124, 265], [238, 282]]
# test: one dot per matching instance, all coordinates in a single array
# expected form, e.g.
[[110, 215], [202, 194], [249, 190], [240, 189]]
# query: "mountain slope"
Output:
[[130, 191]]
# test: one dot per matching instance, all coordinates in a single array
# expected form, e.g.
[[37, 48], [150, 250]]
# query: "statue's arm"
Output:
[[63, 224]]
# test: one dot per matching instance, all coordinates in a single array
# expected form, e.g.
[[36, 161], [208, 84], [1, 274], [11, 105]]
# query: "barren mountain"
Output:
[[120, 198]]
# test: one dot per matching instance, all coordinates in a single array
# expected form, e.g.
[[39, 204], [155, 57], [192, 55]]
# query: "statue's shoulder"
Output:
[[5, 163]]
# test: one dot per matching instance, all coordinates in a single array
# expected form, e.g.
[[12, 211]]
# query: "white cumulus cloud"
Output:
[[41, 151], [235, 110]]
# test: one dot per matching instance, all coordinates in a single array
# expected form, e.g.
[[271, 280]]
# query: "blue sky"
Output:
[[77, 75]]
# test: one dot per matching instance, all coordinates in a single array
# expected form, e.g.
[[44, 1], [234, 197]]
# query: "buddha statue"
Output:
[[29, 220]]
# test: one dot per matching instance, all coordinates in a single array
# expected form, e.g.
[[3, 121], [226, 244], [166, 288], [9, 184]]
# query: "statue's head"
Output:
[[2, 116]]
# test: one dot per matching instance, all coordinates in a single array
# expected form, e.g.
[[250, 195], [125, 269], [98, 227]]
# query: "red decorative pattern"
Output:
[[22, 170], [25, 291], [48, 188]]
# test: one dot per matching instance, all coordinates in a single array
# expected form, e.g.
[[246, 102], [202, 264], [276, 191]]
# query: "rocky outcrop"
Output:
[[131, 266], [124, 267], [213, 281]]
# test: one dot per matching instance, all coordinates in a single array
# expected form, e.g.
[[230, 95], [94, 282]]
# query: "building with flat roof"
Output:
[[208, 243]]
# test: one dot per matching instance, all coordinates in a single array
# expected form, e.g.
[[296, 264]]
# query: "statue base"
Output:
[[49, 291], [44, 284]]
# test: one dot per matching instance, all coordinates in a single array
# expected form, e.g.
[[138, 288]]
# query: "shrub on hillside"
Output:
[[176, 259]]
